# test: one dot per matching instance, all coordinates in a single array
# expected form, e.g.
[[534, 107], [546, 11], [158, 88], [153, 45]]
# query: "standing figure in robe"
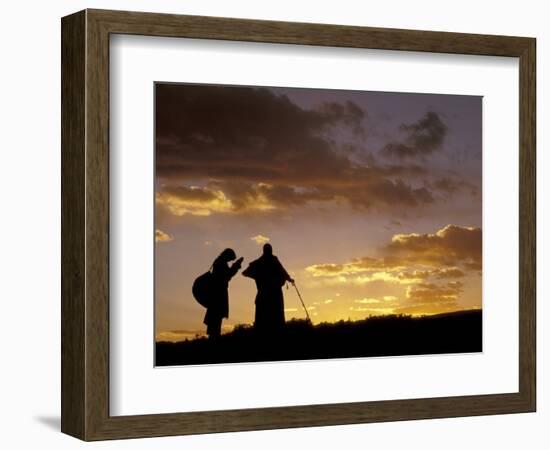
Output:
[[270, 276]]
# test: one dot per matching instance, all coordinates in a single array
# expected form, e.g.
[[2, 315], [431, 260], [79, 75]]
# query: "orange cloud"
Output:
[[420, 309], [450, 272], [448, 246], [372, 311], [367, 301], [416, 275], [429, 292], [428, 265], [161, 236], [357, 265], [205, 201], [388, 277], [349, 273], [260, 239], [193, 200], [178, 335]]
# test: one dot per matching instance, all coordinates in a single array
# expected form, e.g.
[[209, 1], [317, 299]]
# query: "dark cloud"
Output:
[[450, 186], [253, 146], [421, 138], [246, 133]]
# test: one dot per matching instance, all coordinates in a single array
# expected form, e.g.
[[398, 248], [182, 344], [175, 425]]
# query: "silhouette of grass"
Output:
[[458, 332]]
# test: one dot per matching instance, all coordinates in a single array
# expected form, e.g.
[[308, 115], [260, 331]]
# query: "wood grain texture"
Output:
[[85, 224], [97, 226], [527, 224], [151, 24], [73, 110]]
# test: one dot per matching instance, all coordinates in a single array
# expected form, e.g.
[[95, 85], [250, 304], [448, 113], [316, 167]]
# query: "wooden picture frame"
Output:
[[85, 224]]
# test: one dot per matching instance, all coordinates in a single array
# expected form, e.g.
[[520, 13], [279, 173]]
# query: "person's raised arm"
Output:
[[235, 267]]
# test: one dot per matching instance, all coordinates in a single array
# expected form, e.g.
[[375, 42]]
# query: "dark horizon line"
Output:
[[412, 316]]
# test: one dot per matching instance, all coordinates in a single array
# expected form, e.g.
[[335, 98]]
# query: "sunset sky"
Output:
[[371, 200]]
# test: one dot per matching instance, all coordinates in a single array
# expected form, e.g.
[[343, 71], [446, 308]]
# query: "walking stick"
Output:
[[300, 297]]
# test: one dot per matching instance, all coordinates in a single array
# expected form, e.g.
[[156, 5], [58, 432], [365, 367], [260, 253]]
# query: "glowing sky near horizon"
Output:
[[371, 200]]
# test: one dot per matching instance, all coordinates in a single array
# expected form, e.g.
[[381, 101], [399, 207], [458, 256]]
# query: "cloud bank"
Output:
[[428, 265], [235, 150]]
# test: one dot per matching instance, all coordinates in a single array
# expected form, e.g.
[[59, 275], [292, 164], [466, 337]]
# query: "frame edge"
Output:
[[85, 242], [528, 223], [73, 225]]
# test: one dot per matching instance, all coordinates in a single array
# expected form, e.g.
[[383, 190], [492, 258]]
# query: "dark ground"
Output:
[[458, 332]]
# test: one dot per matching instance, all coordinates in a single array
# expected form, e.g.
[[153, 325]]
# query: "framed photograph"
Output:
[[270, 224]]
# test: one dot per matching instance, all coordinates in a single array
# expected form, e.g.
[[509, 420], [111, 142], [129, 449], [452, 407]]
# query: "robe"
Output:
[[270, 276]]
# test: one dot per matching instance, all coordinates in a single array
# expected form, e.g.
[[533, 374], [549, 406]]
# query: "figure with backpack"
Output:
[[211, 290]]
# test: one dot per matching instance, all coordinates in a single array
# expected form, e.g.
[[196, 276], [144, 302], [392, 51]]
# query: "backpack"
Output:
[[202, 289]]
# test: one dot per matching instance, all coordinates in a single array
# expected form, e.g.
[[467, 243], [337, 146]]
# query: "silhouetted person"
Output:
[[218, 307], [270, 276]]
